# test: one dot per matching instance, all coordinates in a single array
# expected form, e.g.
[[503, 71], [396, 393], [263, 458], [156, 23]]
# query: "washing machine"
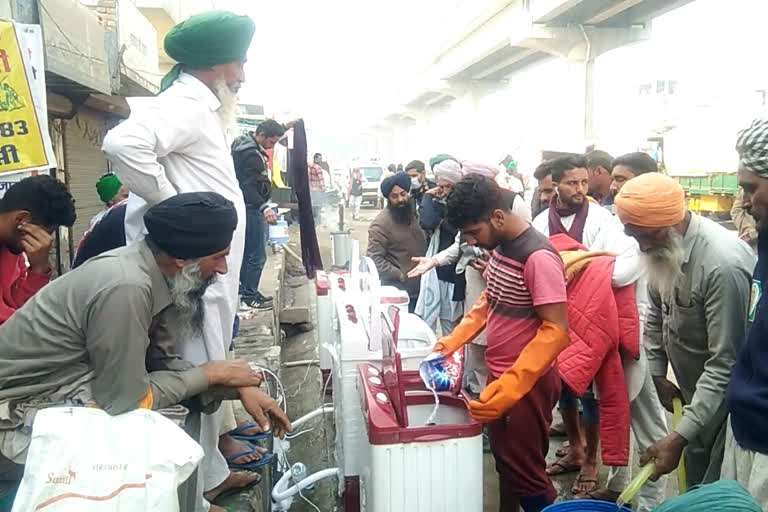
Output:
[[408, 465]]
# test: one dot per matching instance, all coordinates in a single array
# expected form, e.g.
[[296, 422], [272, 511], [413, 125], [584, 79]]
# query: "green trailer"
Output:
[[710, 193]]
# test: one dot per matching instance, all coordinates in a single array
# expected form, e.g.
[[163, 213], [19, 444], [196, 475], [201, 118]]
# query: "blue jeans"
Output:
[[590, 407], [255, 254]]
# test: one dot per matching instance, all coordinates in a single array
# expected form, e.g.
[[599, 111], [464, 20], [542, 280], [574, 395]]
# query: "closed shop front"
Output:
[[84, 163]]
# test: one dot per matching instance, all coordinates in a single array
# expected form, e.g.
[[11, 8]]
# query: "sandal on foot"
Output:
[[561, 467], [265, 459], [240, 436], [581, 479]]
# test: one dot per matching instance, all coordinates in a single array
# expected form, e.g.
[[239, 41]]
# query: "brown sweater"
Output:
[[391, 247]]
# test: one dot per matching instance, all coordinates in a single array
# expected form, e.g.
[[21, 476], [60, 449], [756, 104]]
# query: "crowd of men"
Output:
[[606, 295], [606, 298]]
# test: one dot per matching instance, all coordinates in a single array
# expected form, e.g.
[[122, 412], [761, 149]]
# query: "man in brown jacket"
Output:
[[394, 237]]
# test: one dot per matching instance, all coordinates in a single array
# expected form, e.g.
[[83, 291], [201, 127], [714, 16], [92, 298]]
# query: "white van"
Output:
[[373, 173]]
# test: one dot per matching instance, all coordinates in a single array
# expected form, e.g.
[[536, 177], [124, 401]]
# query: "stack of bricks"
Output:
[[107, 12]]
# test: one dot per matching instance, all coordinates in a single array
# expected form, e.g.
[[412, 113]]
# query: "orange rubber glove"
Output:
[[536, 359], [470, 326]]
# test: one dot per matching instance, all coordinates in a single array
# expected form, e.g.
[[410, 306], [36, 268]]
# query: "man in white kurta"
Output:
[[177, 142], [604, 232]]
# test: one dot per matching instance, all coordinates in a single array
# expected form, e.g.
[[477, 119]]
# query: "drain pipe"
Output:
[[326, 409]]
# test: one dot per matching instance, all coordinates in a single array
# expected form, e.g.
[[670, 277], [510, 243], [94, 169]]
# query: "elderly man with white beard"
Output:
[[105, 335], [179, 142], [699, 277]]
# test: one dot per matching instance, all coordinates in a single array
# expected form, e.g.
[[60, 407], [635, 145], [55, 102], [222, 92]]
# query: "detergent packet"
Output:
[[440, 373]]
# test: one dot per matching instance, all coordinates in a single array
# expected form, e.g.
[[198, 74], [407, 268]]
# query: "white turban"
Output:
[[448, 170], [489, 171]]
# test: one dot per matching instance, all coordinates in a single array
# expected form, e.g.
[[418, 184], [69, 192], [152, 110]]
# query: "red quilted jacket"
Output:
[[602, 320]]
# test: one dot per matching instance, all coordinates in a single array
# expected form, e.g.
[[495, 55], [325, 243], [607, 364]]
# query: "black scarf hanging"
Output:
[[310, 251]]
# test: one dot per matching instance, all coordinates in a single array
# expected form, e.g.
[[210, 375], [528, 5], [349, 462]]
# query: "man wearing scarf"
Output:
[[442, 292], [570, 212], [699, 281], [179, 142], [394, 237], [746, 444]]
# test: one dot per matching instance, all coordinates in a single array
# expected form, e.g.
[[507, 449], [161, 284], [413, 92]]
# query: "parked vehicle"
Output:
[[373, 174]]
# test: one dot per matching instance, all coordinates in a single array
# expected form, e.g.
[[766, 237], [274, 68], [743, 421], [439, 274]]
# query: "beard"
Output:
[[228, 110], [404, 214], [665, 265], [187, 289]]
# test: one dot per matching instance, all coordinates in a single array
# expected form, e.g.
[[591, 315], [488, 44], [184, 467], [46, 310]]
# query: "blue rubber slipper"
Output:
[[265, 459], [238, 433]]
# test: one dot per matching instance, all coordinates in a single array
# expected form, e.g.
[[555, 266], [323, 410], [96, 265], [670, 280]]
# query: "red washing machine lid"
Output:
[[382, 423], [392, 366]]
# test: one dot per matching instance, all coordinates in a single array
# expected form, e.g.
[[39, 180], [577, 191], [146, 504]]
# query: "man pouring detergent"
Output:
[[524, 314]]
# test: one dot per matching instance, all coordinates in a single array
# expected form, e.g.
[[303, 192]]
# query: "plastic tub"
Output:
[[585, 506]]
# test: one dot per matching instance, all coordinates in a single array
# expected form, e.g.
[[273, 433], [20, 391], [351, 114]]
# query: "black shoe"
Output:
[[258, 304], [263, 298]]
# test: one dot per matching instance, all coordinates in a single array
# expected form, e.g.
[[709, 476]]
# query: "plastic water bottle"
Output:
[[299, 472]]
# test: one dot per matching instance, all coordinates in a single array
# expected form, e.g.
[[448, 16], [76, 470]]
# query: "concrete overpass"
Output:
[[509, 37]]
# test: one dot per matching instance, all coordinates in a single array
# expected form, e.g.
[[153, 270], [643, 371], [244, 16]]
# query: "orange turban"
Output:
[[651, 200]]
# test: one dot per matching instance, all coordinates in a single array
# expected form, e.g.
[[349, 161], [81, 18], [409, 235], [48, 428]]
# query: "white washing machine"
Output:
[[407, 465]]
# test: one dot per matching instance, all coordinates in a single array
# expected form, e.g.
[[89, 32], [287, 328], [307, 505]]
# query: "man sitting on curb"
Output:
[[105, 335]]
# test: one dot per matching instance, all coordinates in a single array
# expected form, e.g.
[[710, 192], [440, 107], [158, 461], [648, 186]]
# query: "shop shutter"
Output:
[[85, 163]]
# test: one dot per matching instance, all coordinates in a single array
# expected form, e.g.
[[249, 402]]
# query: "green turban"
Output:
[[107, 187], [206, 40], [440, 158]]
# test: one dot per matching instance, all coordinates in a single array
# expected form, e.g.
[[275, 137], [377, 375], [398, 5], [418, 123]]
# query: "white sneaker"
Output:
[[244, 308]]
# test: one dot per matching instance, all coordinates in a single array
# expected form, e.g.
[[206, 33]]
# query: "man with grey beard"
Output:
[[699, 278], [107, 334], [180, 142]]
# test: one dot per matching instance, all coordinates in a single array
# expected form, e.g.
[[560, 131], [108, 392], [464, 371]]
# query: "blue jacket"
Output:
[[748, 389]]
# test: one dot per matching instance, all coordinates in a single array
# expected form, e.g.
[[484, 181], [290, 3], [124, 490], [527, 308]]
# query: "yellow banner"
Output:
[[21, 141]]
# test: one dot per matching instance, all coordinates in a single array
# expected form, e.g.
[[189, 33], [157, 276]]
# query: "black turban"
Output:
[[192, 225], [400, 179]]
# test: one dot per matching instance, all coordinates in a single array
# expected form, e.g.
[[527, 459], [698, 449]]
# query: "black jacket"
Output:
[[251, 170]]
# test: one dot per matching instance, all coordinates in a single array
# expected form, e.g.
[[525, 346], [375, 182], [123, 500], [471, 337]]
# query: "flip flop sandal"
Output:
[[238, 433], [265, 459], [581, 479], [565, 468], [238, 490]]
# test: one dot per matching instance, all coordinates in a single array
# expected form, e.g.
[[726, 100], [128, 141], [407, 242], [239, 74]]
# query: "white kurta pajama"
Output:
[[175, 143]]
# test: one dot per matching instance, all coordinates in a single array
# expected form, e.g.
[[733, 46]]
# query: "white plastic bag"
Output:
[[84, 459]]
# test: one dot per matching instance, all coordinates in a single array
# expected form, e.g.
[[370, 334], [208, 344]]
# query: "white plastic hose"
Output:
[[279, 494], [314, 414]]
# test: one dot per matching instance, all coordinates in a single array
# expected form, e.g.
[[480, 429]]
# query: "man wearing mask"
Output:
[[394, 237], [249, 154], [419, 182]]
